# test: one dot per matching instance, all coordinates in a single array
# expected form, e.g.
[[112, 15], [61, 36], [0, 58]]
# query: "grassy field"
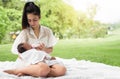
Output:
[[97, 50], [5, 53], [104, 50]]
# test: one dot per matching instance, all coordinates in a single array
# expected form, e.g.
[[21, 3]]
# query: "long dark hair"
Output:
[[29, 7]]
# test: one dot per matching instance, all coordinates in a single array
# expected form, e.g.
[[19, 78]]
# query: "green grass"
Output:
[[97, 50], [5, 53], [104, 50]]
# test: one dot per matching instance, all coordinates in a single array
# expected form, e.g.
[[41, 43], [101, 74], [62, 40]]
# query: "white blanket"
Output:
[[76, 69]]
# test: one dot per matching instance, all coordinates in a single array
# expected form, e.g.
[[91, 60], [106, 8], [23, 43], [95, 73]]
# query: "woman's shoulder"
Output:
[[45, 29], [25, 30]]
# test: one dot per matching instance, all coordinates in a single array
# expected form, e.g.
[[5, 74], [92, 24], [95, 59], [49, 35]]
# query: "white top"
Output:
[[27, 35]]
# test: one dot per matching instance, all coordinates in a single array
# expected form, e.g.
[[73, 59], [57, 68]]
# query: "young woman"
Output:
[[37, 36], [31, 56]]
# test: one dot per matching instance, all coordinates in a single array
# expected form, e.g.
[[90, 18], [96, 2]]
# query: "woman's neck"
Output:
[[36, 28], [36, 31]]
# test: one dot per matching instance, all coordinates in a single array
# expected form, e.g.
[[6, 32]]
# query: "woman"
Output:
[[37, 36]]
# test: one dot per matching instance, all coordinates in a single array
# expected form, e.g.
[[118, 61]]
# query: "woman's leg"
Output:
[[57, 70], [38, 70], [13, 71]]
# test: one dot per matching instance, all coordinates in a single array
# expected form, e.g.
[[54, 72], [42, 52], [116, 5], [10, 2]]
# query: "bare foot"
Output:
[[10, 72]]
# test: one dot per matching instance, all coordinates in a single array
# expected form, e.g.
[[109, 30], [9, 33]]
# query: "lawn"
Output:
[[97, 50], [104, 50]]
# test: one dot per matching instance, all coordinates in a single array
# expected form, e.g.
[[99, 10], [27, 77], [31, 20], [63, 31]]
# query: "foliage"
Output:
[[59, 16], [12, 4], [3, 23], [97, 32], [15, 18], [10, 21]]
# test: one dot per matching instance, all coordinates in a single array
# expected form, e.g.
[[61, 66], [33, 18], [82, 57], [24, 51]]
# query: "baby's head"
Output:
[[22, 47]]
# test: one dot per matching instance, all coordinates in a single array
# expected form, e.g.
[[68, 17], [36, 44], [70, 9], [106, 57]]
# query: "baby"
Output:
[[33, 55]]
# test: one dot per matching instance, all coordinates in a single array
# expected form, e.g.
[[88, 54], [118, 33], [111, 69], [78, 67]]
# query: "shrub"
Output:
[[99, 31]]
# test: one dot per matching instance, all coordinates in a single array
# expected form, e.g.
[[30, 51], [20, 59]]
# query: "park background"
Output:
[[80, 34]]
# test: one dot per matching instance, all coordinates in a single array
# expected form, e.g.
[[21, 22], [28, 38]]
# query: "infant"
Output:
[[33, 55]]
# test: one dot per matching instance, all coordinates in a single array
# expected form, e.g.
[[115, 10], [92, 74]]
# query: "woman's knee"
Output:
[[43, 70], [60, 70]]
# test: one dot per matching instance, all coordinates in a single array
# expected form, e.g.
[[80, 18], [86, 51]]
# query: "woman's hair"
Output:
[[20, 48], [29, 7]]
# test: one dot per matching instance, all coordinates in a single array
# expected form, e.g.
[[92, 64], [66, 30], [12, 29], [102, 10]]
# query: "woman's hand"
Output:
[[40, 47], [43, 48]]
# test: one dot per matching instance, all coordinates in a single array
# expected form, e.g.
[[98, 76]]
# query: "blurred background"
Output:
[[86, 29], [67, 18]]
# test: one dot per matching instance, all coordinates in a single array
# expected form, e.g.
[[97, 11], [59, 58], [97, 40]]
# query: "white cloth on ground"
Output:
[[76, 69]]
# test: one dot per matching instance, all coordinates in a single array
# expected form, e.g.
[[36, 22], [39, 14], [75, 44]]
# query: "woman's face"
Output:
[[33, 20]]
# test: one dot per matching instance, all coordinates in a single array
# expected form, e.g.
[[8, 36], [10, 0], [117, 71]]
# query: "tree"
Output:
[[3, 23], [10, 21], [58, 16]]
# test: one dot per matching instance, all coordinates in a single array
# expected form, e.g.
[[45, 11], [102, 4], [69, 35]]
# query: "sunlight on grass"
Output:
[[97, 50], [5, 53], [104, 50]]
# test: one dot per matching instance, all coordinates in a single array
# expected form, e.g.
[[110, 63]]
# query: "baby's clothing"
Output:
[[34, 56]]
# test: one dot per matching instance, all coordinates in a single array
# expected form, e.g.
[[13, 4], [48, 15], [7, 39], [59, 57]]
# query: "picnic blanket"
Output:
[[76, 69]]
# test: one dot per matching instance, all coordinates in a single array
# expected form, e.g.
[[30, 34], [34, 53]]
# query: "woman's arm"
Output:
[[48, 50], [20, 39], [43, 48]]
